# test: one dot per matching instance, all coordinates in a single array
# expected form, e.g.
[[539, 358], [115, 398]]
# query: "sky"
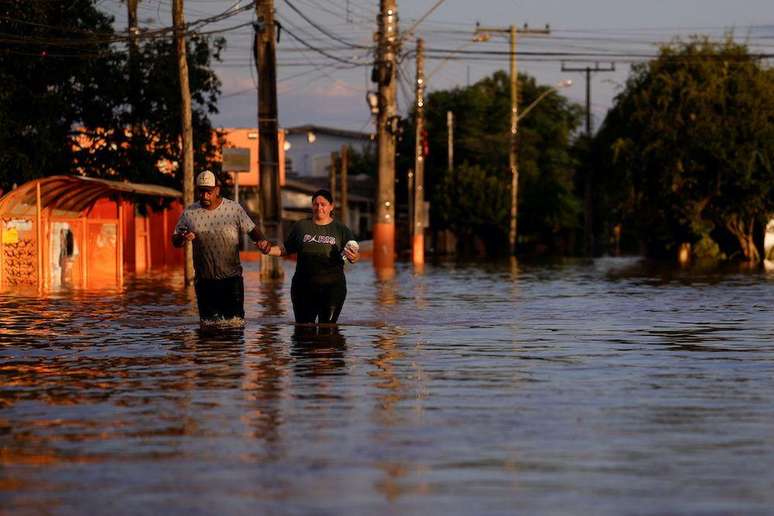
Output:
[[314, 88]]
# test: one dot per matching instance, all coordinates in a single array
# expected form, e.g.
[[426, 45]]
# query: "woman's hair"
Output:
[[323, 193]]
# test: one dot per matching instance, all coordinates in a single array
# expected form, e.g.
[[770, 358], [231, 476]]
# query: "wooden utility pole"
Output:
[[418, 240], [268, 142], [588, 181], [513, 162], [344, 202], [134, 70], [178, 20], [410, 201], [385, 75], [332, 174]]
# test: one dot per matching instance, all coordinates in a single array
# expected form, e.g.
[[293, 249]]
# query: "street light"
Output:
[[515, 118], [478, 37], [566, 83]]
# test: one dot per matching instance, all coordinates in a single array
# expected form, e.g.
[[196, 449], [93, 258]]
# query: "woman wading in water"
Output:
[[322, 244]]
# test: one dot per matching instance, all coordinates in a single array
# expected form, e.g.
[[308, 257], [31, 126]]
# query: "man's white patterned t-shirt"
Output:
[[216, 246]]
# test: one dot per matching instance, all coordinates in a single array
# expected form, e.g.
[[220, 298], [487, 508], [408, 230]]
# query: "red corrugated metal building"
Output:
[[63, 231]]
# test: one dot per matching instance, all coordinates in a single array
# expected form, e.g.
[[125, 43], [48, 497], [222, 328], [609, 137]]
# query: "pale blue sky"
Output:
[[315, 89]]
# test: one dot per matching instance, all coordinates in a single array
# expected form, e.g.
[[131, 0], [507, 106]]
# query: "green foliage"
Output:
[[473, 202], [72, 96], [689, 147], [547, 205], [53, 69], [362, 162]]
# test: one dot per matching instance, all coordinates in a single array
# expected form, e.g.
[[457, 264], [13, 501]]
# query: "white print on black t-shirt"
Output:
[[320, 239]]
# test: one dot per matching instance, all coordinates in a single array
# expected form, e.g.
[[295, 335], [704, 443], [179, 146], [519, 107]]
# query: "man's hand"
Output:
[[178, 239], [264, 246]]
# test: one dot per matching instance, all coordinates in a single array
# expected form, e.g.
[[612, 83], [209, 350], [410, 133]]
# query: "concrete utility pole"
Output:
[[344, 202], [385, 75], [418, 240], [268, 142], [513, 163], [588, 181], [178, 20]]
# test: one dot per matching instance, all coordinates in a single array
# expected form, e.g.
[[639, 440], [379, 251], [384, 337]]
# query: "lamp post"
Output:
[[556, 87], [515, 119]]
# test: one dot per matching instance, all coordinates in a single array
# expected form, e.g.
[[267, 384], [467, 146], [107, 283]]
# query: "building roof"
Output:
[[73, 193], [332, 131], [359, 190]]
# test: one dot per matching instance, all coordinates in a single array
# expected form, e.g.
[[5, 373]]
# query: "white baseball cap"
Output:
[[206, 179]]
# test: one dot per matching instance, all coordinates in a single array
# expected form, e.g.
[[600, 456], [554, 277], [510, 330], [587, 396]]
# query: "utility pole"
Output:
[[332, 173], [134, 76], [588, 194], [418, 240], [410, 201], [450, 138], [178, 20], [385, 75], [513, 163], [344, 185], [268, 143]]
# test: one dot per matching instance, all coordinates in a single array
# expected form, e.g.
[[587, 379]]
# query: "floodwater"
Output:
[[602, 387]]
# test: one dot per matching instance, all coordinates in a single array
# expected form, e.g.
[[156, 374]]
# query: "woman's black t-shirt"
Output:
[[319, 250]]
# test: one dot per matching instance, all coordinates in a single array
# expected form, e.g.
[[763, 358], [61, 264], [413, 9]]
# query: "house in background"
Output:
[[246, 181], [309, 148], [311, 143], [297, 203]]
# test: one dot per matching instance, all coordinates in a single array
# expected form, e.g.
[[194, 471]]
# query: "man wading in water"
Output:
[[213, 225]]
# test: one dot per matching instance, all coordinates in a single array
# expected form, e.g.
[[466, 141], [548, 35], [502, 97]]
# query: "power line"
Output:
[[322, 29], [319, 50]]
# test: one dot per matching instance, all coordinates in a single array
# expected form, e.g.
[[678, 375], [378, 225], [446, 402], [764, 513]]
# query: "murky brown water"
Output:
[[575, 388]]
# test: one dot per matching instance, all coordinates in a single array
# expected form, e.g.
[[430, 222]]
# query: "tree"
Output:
[[547, 208], [159, 96], [56, 68], [689, 144], [363, 162], [64, 105]]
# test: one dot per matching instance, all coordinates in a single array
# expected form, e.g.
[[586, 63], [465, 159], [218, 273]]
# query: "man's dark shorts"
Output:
[[220, 299]]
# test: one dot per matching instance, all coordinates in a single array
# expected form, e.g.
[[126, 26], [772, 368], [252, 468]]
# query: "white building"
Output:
[[308, 148]]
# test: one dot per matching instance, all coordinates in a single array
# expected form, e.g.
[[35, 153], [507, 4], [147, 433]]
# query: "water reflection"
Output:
[[456, 388], [318, 350], [263, 384], [388, 383]]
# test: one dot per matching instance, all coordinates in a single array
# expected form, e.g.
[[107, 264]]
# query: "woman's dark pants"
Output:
[[320, 302]]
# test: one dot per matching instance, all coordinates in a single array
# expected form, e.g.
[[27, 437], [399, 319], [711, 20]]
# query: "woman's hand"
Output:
[[352, 256], [264, 246]]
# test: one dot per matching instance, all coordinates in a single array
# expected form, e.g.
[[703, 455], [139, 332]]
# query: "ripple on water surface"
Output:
[[571, 387]]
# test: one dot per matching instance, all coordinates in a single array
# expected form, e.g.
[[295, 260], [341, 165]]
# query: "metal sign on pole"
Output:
[[236, 159]]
